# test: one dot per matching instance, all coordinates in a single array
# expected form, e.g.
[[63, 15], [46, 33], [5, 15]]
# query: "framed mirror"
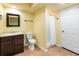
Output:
[[12, 20]]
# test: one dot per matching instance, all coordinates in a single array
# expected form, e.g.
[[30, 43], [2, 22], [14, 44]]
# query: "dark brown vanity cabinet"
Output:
[[11, 45]]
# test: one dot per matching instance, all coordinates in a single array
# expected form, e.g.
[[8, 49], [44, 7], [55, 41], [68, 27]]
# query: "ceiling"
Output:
[[32, 7], [61, 6]]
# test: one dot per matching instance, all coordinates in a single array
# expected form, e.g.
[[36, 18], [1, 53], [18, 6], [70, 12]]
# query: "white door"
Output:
[[70, 29], [52, 30]]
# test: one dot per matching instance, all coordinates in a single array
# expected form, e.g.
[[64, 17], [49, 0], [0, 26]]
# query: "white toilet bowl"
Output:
[[31, 41]]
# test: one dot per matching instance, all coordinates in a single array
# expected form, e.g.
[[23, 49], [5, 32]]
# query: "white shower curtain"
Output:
[[51, 31]]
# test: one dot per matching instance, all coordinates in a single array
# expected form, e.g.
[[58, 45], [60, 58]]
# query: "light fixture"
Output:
[[61, 3], [13, 7]]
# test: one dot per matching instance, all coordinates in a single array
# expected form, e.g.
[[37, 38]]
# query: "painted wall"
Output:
[[53, 11], [24, 26], [1, 10], [39, 28]]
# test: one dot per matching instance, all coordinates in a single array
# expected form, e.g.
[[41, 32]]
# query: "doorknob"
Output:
[[62, 30]]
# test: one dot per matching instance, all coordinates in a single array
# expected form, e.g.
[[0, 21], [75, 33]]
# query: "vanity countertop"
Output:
[[10, 34]]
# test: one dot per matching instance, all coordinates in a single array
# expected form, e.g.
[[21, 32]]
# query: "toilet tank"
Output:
[[29, 35]]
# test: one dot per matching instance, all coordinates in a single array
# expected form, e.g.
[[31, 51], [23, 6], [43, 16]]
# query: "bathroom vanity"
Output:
[[11, 43]]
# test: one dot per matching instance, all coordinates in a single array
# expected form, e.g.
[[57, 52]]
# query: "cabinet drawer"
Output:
[[6, 39], [19, 36]]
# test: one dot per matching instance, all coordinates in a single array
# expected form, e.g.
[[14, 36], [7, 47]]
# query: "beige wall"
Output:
[[39, 28], [1, 10], [54, 12], [24, 15]]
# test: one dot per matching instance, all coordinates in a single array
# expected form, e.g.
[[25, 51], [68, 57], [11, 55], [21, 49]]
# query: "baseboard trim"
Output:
[[45, 50], [70, 50], [58, 45]]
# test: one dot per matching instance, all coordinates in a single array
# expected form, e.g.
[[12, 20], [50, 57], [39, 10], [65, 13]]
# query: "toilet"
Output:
[[31, 40]]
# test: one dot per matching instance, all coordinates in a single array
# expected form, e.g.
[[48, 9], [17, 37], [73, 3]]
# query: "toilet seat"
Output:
[[32, 41]]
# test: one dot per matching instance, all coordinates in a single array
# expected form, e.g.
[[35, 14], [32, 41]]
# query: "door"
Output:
[[52, 30], [19, 43], [50, 27], [7, 46], [70, 29]]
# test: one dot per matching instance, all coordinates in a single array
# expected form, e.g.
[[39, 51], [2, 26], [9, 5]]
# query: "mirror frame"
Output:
[[8, 15]]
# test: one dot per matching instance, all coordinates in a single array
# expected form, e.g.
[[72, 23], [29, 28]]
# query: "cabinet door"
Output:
[[7, 46], [18, 39], [19, 43]]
